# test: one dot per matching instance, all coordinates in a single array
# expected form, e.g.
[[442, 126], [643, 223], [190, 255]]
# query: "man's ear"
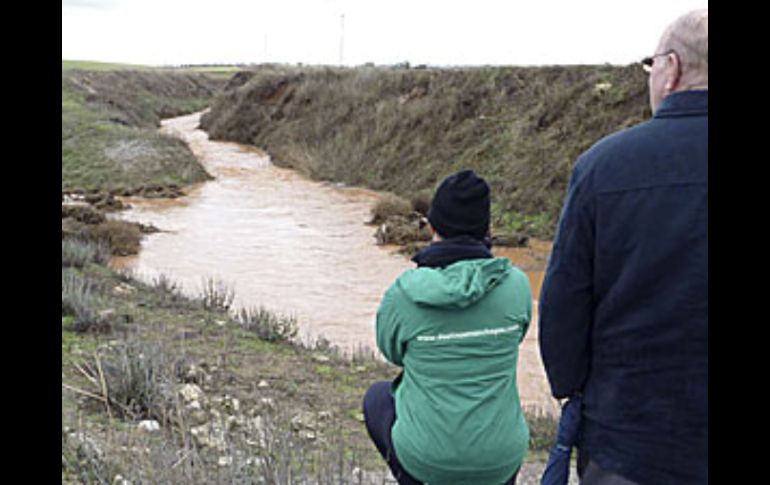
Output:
[[673, 73]]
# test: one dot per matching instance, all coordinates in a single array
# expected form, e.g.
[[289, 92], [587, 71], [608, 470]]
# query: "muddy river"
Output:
[[293, 245]]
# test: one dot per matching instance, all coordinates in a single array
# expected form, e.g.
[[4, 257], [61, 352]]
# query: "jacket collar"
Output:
[[684, 103], [448, 251]]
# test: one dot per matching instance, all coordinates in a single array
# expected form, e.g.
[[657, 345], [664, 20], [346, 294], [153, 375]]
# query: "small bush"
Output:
[[388, 206], [168, 292], [140, 377], [164, 284], [216, 296], [403, 230], [74, 253], [123, 238], [268, 326], [78, 253], [421, 202], [82, 213], [78, 300], [323, 345]]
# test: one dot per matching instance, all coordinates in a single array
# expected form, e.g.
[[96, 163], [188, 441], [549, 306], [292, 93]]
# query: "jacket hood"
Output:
[[458, 285]]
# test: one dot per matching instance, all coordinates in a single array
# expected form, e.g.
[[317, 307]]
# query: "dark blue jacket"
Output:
[[624, 304]]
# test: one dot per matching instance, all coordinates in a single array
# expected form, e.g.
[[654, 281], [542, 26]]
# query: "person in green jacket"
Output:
[[454, 324]]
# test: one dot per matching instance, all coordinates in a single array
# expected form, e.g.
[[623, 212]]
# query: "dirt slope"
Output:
[[403, 130]]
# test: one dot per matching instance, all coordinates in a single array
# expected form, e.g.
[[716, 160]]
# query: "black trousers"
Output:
[[379, 415]]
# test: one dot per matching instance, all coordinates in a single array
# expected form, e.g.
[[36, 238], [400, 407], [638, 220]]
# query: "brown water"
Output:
[[292, 245]]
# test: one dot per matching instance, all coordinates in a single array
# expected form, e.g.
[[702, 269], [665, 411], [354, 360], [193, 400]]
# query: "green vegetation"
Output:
[[230, 407], [79, 302], [79, 253], [403, 131], [110, 116], [266, 326], [266, 403], [388, 206]]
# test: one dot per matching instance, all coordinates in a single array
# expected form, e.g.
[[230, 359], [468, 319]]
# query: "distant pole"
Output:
[[342, 37]]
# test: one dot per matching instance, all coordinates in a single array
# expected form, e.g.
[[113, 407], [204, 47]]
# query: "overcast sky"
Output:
[[434, 32]]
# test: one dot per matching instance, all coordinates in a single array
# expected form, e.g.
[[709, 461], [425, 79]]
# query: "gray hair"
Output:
[[689, 37]]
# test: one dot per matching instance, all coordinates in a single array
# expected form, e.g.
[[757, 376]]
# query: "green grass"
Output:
[[247, 342], [536, 225], [324, 371], [110, 116]]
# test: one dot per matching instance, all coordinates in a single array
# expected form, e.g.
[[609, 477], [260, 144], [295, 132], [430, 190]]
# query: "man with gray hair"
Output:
[[624, 304]]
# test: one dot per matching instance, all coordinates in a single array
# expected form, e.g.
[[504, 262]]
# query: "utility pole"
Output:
[[342, 37]]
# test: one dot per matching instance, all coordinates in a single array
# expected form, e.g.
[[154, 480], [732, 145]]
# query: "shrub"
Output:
[[77, 253], [82, 213], [267, 325], [322, 345], [122, 237], [77, 299], [403, 230], [421, 202], [168, 292], [140, 378], [216, 295], [390, 205]]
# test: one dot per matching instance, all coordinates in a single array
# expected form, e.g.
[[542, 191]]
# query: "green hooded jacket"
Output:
[[456, 332]]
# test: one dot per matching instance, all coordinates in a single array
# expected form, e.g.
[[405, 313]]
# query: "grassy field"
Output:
[[403, 130], [110, 116]]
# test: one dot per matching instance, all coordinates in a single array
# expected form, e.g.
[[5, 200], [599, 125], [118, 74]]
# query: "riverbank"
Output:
[[110, 116], [162, 387], [403, 130], [222, 389]]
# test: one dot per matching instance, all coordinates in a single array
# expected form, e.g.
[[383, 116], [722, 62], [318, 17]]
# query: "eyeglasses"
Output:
[[648, 61]]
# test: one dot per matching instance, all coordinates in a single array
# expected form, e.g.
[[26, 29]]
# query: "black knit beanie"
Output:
[[461, 206]]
